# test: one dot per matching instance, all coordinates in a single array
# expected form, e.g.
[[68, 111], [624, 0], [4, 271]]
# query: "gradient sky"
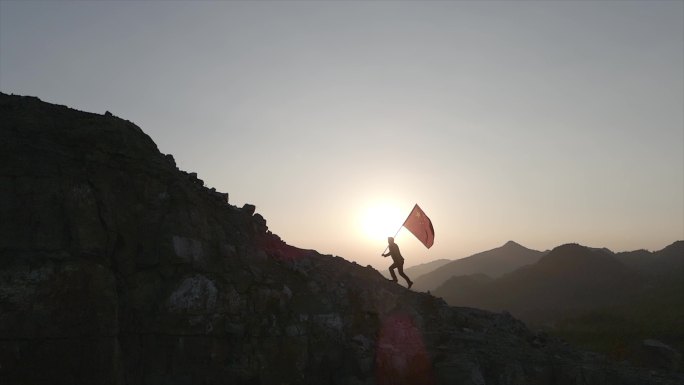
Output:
[[539, 122]]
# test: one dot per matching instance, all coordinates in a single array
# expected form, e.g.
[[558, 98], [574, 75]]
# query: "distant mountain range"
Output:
[[566, 282], [665, 261], [492, 263], [569, 278], [587, 294]]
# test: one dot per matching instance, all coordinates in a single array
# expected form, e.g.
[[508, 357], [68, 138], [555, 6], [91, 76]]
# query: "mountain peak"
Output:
[[494, 263], [512, 244]]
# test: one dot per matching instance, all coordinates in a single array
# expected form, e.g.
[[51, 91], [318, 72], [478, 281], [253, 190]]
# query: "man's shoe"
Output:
[[390, 279], [410, 284]]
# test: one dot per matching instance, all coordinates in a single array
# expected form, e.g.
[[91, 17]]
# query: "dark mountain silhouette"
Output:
[[654, 309], [669, 260], [568, 279], [418, 270], [118, 268], [637, 259], [467, 282], [588, 296], [493, 263]]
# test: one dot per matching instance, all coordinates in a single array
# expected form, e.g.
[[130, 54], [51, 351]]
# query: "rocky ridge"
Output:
[[118, 268]]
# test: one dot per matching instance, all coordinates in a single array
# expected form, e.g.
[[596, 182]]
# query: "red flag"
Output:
[[420, 225]]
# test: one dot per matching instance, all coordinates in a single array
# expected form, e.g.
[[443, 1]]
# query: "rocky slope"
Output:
[[117, 268]]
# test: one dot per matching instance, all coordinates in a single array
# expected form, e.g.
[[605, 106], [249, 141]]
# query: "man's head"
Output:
[[390, 240]]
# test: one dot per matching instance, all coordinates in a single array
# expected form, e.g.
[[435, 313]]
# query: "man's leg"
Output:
[[400, 267], [391, 269]]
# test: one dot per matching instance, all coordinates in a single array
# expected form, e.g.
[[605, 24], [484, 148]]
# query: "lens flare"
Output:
[[401, 356]]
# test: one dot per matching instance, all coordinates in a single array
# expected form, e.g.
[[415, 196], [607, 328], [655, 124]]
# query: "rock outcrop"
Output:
[[117, 268]]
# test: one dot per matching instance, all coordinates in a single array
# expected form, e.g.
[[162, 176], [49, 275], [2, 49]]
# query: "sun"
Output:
[[380, 221]]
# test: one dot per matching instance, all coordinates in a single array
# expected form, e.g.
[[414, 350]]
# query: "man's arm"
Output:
[[391, 250]]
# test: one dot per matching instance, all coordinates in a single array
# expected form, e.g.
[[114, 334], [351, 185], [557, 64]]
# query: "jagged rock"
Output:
[[115, 268], [170, 159], [248, 208], [193, 177], [222, 197]]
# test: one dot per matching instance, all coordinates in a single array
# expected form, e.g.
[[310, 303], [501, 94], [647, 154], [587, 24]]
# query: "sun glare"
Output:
[[381, 221]]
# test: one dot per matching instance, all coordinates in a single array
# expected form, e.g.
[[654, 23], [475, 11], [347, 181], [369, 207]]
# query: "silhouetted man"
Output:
[[398, 261]]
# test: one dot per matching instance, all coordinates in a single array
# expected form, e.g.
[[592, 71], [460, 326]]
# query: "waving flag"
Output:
[[420, 225]]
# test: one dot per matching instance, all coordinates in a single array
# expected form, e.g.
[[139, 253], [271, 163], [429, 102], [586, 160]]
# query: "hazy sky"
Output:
[[539, 122]]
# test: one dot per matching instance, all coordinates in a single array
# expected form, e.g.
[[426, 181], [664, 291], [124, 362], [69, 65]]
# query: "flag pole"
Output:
[[402, 225]]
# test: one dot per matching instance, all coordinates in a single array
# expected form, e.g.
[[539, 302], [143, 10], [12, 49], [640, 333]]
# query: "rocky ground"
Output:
[[118, 268]]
